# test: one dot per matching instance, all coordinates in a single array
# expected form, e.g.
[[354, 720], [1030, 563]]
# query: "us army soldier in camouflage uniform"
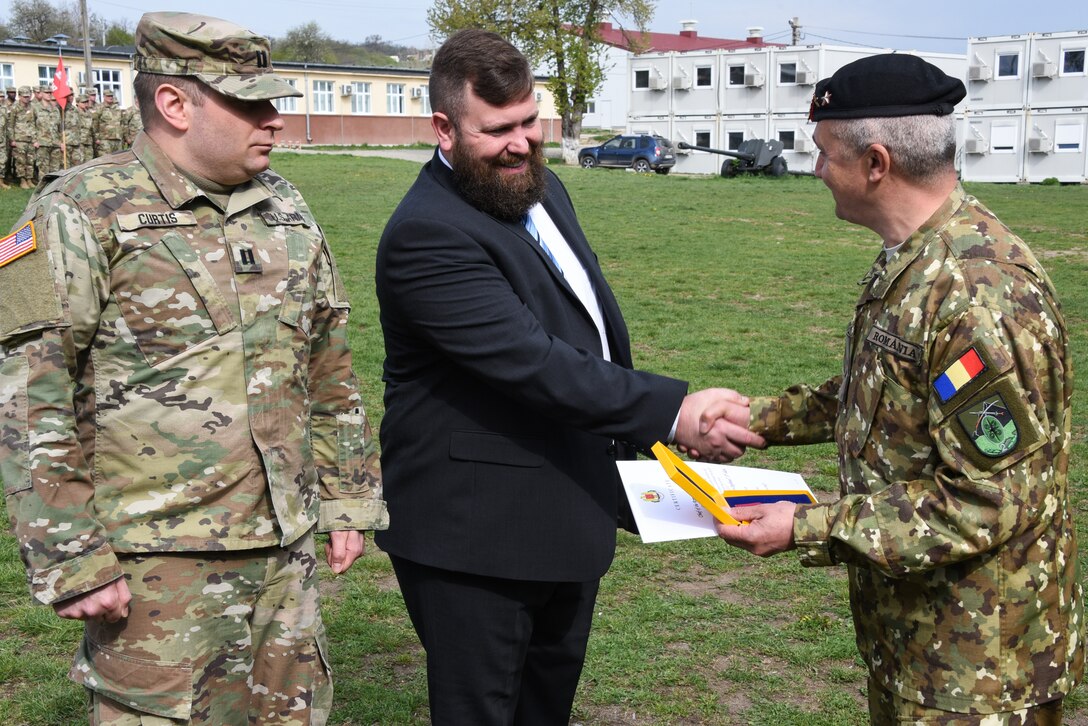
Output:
[[48, 123], [952, 421], [22, 129], [178, 412], [106, 126], [78, 124]]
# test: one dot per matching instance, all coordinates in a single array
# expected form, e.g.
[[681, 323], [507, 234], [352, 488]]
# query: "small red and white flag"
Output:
[[61, 90], [20, 242]]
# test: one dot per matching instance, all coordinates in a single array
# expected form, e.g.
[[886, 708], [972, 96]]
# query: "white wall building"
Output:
[[1027, 108], [719, 98]]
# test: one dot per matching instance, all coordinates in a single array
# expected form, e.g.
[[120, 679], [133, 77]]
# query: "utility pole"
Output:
[[88, 77], [795, 26]]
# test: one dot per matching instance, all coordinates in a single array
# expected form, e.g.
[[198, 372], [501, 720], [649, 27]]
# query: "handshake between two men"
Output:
[[714, 426]]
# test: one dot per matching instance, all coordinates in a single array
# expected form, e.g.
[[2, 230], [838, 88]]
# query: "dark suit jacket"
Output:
[[497, 453]]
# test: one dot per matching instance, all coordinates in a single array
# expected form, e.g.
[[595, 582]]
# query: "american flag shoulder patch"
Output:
[[20, 242]]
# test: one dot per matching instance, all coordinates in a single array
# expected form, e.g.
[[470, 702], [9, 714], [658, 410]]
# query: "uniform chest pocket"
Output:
[[169, 300], [301, 285], [863, 394]]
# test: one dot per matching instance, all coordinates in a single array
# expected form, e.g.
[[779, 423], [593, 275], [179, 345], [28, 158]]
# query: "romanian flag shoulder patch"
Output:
[[21, 241], [965, 369]]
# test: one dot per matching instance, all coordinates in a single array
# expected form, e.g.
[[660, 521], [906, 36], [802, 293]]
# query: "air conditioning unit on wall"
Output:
[[417, 92], [346, 89], [658, 83], [1044, 69], [753, 80], [976, 146], [1040, 145], [979, 73], [804, 146], [805, 77]]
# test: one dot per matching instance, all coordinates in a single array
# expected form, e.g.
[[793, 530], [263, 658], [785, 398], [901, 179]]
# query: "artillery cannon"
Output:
[[754, 156]]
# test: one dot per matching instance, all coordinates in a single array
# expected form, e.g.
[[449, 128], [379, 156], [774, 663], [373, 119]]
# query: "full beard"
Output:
[[505, 196]]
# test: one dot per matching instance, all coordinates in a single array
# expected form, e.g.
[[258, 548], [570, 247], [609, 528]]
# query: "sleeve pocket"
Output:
[[14, 447]]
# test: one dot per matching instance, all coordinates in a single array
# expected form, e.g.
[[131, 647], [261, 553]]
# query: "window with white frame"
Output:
[[591, 107], [1003, 139], [736, 74], [322, 96], [702, 138], [7, 75], [787, 138], [288, 104], [360, 97], [45, 76], [704, 76], [425, 100], [1068, 136], [642, 78], [787, 73], [103, 79], [1073, 61], [1008, 64], [733, 140], [394, 98]]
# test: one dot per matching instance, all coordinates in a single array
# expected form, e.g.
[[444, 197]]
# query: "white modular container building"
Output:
[[993, 146]]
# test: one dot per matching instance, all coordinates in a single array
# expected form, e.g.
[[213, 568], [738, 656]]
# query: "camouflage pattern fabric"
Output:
[[130, 125], [47, 123], [189, 385], [955, 517], [80, 140], [251, 618], [22, 128], [232, 60], [106, 129], [887, 708]]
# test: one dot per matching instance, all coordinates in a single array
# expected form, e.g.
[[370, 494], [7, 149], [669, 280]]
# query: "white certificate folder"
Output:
[[664, 511]]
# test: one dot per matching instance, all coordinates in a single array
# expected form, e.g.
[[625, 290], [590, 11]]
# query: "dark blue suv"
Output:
[[641, 152]]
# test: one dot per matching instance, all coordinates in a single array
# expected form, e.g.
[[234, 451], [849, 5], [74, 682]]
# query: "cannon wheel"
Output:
[[729, 169], [588, 162], [640, 165], [778, 166]]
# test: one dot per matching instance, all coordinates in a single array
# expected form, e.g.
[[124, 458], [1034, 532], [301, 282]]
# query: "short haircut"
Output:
[[146, 84], [921, 147], [497, 72]]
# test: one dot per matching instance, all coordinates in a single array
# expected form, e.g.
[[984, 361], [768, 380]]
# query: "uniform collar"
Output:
[[178, 191], [916, 243]]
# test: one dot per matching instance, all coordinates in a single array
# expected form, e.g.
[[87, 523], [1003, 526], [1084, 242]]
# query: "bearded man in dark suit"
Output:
[[510, 394]]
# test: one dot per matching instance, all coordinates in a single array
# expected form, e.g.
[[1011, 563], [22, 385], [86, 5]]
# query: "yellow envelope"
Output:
[[700, 490]]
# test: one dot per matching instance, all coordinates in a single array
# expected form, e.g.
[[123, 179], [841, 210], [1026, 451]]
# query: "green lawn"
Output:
[[746, 283]]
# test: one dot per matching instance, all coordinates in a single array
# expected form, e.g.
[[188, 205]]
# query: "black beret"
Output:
[[886, 85]]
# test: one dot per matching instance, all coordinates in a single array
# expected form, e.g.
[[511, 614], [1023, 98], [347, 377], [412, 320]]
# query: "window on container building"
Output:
[[787, 73], [736, 75], [704, 77], [1073, 62], [1008, 65], [787, 138], [734, 139], [642, 79], [702, 138]]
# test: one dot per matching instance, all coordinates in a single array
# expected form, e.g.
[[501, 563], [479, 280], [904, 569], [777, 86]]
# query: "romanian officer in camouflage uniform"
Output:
[[23, 132], [952, 420], [106, 126], [178, 412], [49, 136]]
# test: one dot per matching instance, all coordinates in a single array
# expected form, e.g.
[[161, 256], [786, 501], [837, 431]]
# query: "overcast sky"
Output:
[[930, 25]]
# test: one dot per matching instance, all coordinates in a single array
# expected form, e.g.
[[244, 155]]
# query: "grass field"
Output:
[[747, 283]]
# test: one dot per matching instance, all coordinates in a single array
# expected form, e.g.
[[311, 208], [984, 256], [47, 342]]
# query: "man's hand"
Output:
[[108, 603], [343, 548], [769, 528], [713, 425]]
